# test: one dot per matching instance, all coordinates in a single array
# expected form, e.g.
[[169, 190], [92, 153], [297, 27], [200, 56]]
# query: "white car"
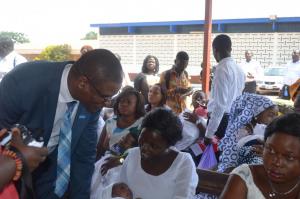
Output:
[[271, 81]]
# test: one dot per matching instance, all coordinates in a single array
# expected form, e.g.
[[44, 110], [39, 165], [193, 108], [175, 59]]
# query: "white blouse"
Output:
[[245, 173], [178, 182]]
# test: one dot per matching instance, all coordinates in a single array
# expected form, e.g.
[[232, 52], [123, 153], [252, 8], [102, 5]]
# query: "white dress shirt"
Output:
[[9, 62], [63, 98], [252, 67], [292, 74], [228, 83]]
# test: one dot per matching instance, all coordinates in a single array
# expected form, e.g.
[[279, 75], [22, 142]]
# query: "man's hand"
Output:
[[191, 117], [32, 155], [110, 162]]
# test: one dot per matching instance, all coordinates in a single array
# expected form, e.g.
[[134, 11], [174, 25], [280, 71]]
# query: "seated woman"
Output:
[[247, 111], [279, 176], [148, 76], [154, 169], [157, 97], [129, 111]]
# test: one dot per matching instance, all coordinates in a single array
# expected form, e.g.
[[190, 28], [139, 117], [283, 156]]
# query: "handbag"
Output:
[[208, 159]]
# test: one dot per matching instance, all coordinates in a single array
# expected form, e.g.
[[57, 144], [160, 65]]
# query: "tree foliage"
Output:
[[90, 36], [56, 53], [17, 37]]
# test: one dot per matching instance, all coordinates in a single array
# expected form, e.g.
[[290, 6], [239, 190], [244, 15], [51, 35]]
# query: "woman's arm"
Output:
[[7, 170], [235, 188]]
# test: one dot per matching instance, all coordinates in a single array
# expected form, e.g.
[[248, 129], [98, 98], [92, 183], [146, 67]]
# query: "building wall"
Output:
[[270, 48]]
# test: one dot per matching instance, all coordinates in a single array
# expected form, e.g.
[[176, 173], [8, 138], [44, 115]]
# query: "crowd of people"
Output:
[[102, 139]]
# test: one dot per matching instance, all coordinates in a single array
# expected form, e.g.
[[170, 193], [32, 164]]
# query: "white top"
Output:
[[152, 79], [63, 98], [245, 173], [252, 68], [190, 132], [178, 182], [99, 182], [292, 74], [9, 62], [228, 83]]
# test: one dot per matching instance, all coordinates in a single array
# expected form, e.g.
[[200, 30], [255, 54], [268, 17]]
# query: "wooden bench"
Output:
[[211, 182]]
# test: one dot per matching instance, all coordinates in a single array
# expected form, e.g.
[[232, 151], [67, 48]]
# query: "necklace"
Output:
[[274, 193]]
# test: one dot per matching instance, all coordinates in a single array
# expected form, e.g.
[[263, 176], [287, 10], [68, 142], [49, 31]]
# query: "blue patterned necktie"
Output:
[[64, 152]]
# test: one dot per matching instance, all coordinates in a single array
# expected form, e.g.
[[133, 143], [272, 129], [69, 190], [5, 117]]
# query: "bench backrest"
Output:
[[211, 182]]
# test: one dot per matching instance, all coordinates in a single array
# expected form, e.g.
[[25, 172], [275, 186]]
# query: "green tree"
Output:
[[17, 37], [90, 36], [56, 53]]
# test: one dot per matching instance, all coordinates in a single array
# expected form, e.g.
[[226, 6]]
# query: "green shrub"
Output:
[[56, 53]]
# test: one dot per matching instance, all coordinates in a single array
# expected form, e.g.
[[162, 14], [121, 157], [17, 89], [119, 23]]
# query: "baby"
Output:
[[117, 190]]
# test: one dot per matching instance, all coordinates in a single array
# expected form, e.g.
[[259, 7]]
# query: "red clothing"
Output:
[[10, 190]]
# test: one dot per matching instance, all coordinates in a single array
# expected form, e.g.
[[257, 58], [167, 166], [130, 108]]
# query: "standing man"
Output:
[[63, 101], [292, 75], [8, 57], [293, 69], [176, 81], [252, 70], [228, 83]]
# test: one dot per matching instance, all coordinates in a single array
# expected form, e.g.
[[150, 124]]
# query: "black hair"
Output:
[[182, 55], [200, 92], [99, 65], [6, 45], [135, 133], [144, 67], [222, 43], [166, 123], [287, 124], [163, 100], [140, 104]]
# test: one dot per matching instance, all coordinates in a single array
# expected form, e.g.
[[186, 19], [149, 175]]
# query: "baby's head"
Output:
[[131, 139], [121, 190]]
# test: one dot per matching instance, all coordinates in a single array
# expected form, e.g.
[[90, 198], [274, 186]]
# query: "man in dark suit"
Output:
[[38, 95]]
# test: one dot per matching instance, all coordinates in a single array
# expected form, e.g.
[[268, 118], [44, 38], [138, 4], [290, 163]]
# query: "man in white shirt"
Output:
[[8, 57], [252, 70], [228, 83], [293, 69]]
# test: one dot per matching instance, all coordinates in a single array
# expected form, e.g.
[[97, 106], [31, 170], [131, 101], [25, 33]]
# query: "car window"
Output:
[[274, 71]]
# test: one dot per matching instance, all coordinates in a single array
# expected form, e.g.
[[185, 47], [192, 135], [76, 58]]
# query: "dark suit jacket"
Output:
[[28, 96]]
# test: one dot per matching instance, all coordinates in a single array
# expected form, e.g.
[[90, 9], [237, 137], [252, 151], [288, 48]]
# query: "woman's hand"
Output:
[[32, 155], [191, 117], [110, 162], [258, 149]]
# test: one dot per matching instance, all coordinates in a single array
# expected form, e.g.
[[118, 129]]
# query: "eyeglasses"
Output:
[[105, 98]]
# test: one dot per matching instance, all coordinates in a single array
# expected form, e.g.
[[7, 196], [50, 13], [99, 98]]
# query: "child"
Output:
[[157, 97], [117, 190], [199, 102], [129, 111], [107, 173], [194, 123]]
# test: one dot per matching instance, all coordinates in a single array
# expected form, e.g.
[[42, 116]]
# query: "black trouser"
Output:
[[222, 126], [250, 87]]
